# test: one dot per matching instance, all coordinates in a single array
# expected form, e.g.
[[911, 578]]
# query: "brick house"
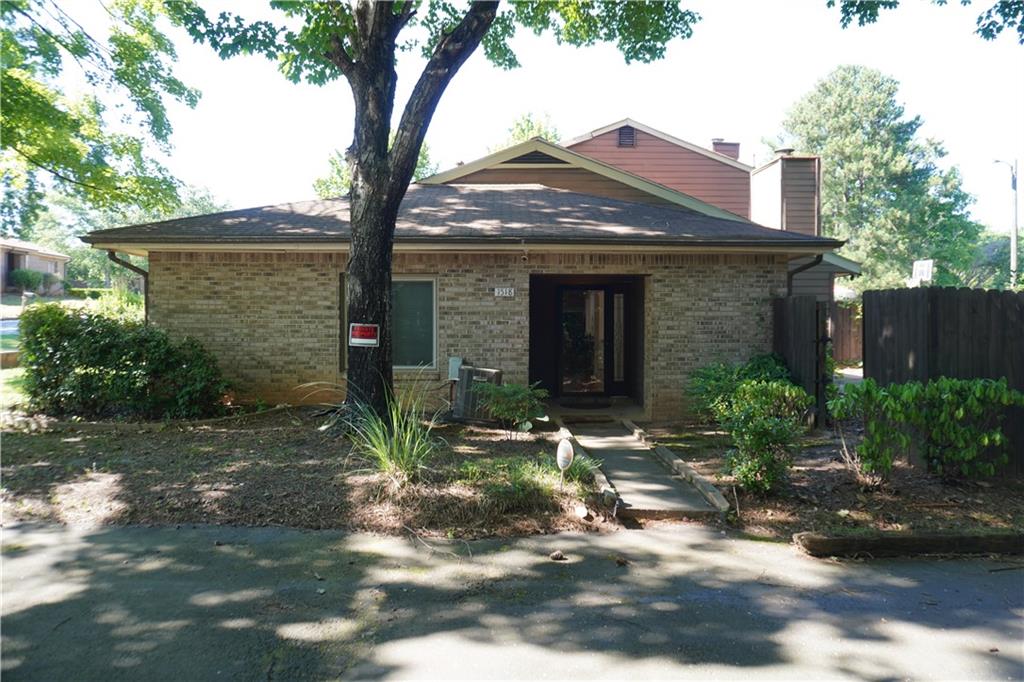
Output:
[[542, 260]]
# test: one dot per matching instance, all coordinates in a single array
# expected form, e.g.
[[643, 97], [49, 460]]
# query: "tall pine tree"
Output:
[[882, 187]]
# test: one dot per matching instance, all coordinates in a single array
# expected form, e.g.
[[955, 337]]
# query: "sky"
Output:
[[257, 139]]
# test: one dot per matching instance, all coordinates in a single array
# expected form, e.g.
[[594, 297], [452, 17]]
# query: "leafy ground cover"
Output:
[[278, 469], [821, 494]]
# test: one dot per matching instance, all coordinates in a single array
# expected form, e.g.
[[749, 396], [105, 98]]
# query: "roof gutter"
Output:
[[112, 255], [796, 271]]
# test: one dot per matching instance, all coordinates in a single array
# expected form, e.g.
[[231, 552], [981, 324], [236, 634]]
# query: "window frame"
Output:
[[433, 292]]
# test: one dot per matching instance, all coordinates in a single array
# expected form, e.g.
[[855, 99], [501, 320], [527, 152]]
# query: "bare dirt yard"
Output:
[[278, 469], [822, 495]]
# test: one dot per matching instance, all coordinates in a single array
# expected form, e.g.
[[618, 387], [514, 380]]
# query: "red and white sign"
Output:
[[365, 335]]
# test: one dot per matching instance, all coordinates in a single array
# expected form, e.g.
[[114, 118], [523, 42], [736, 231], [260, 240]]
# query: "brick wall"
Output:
[[273, 319]]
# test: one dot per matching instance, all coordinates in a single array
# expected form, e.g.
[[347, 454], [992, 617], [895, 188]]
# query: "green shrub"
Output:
[[121, 304], [398, 444], [26, 280], [513, 405], [93, 366], [710, 388], [956, 423], [885, 437], [50, 280], [86, 292], [765, 420]]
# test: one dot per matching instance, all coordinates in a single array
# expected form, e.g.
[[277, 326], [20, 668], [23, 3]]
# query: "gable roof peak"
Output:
[[728, 160]]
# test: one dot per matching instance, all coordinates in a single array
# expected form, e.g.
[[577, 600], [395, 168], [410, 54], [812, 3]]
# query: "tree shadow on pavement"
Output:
[[235, 603]]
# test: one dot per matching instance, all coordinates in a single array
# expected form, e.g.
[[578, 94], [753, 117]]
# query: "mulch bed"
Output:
[[822, 495], [274, 469]]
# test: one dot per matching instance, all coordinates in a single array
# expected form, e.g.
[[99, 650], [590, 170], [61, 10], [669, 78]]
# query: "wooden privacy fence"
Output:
[[923, 333], [800, 335], [847, 334]]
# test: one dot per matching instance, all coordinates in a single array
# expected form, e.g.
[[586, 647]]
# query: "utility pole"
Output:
[[1013, 234]]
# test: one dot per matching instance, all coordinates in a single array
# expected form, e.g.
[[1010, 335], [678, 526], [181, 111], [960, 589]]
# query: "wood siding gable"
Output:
[[674, 166]]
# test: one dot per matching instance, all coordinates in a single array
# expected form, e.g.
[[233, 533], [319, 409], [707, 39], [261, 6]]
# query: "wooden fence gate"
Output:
[[928, 332], [847, 335], [800, 336]]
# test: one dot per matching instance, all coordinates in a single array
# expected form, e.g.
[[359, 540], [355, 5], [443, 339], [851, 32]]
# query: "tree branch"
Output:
[[340, 57], [451, 53], [65, 178]]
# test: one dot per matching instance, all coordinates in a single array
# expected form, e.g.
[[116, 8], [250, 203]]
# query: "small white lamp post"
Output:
[[563, 458]]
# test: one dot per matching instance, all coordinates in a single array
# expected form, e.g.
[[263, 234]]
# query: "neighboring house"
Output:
[[16, 254], [550, 264]]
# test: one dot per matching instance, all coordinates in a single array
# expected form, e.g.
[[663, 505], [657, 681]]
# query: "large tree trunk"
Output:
[[368, 297], [380, 176]]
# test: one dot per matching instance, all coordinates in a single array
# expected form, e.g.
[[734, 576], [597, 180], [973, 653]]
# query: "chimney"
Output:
[[783, 152], [730, 149]]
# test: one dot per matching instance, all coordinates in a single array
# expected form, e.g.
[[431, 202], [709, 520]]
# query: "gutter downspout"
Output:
[[112, 255], [789, 276]]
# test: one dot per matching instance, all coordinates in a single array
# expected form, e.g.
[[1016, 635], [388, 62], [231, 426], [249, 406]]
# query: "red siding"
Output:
[[673, 166]]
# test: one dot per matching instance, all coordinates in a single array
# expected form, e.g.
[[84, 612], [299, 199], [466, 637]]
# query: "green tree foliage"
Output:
[[882, 187], [528, 126], [68, 217], [319, 42], [52, 139], [991, 267], [338, 180], [1001, 15]]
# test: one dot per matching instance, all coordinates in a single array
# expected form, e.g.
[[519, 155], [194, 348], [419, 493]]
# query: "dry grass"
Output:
[[272, 469]]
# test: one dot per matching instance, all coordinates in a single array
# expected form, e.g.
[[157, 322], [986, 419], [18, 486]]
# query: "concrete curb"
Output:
[[895, 544], [609, 495], [668, 458]]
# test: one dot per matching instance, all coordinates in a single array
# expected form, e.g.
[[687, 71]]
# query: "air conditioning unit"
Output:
[[467, 401]]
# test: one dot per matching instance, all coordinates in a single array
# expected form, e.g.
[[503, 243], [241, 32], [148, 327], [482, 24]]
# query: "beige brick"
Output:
[[273, 319]]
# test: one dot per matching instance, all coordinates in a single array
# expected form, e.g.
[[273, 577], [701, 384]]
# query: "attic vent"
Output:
[[627, 136], [535, 157]]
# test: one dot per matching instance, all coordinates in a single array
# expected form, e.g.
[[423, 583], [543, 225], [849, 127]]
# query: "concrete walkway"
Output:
[[678, 602], [646, 488]]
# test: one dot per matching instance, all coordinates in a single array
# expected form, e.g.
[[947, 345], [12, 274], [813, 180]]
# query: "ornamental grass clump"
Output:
[[398, 444]]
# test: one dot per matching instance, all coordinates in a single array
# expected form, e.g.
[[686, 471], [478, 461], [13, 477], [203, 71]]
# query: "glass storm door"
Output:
[[582, 353]]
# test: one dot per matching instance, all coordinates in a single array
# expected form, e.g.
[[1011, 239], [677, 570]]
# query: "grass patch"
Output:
[[12, 391], [524, 484], [9, 341]]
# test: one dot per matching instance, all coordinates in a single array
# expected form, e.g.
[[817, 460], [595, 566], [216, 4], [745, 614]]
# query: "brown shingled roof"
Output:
[[469, 213]]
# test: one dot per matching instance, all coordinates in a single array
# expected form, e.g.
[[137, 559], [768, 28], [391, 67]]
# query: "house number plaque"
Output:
[[504, 292]]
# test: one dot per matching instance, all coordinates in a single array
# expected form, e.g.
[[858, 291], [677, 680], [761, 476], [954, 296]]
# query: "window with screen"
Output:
[[412, 323]]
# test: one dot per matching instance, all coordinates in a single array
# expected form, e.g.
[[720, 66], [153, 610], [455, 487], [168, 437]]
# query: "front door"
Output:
[[592, 344]]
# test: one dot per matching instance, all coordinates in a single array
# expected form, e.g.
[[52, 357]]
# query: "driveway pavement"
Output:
[[675, 602]]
